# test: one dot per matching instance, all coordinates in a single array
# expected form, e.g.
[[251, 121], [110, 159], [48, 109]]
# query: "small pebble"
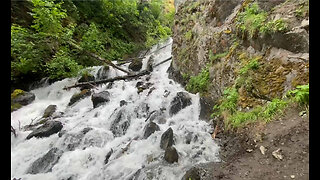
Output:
[[292, 176]]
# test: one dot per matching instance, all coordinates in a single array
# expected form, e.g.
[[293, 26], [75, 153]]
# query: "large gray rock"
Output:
[[78, 96], [166, 139], [46, 130], [100, 98], [49, 110], [149, 129], [206, 105], [24, 99], [171, 155], [179, 102], [46, 162], [121, 122]]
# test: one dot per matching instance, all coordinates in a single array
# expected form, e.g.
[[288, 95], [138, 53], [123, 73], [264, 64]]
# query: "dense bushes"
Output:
[[113, 29]]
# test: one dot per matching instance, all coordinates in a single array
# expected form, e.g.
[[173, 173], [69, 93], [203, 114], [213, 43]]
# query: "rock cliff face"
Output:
[[259, 47]]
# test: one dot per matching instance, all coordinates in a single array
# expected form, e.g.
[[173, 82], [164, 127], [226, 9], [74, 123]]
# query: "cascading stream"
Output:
[[107, 142]]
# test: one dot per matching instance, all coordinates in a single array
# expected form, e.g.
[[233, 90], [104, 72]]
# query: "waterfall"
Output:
[[90, 134]]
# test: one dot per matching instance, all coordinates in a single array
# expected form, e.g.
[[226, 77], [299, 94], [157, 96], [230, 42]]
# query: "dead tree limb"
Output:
[[98, 57], [127, 77], [163, 61]]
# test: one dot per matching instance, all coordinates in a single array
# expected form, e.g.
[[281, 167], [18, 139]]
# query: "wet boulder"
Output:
[[100, 98], [46, 130], [149, 129], [206, 105], [46, 162], [49, 111], [78, 96], [22, 97], [166, 139], [135, 65], [121, 122], [171, 155], [180, 101]]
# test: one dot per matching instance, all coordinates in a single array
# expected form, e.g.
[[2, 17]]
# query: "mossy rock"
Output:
[[136, 65], [76, 97], [21, 97], [15, 106]]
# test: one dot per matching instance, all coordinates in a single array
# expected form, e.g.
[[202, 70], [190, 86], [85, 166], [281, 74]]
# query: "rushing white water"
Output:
[[86, 160]]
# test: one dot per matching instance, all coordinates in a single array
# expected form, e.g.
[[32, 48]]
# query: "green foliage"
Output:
[[111, 29], [16, 93], [300, 94], [254, 21], [47, 16], [236, 118], [199, 83], [302, 10], [228, 102], [188, 35], [252, 65], [267, 112], [62, 66], [274, 26], [274, 107], [213, 57]]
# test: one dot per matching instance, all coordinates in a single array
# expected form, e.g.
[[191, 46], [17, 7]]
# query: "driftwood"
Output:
[[163, 61], [99, 58], [127, 77]]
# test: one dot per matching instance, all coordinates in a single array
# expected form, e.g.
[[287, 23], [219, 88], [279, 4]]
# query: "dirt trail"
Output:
[[242, 152]]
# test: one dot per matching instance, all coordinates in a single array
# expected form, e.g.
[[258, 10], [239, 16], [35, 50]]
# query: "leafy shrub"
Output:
[[300, 94], [253, 64], [62, 66], [213, 57], [254, 21], [228, 102], [199, 83], [47, 16]]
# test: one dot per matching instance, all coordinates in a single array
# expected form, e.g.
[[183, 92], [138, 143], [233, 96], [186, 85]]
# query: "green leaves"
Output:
[[253, 20], [62, 66], [47, 16], [199, 83], [300, 94]]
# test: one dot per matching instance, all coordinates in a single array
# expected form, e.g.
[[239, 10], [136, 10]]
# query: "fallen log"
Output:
[[127, 77], [163, 61]]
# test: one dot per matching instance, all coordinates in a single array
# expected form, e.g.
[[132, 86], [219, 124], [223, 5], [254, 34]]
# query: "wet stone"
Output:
[[46, 162], [166, 139], [46, 130], [179, 102], [171, 155], [150, 128]]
